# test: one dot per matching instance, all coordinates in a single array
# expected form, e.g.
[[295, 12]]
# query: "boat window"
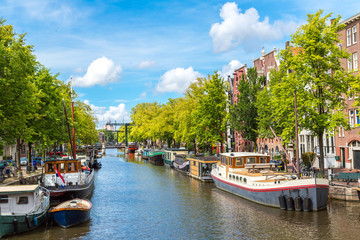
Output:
[[234, 177], [60, 167], [223, 159], [239, 162], [71, 167], [229, 175], [194, 163], [237, 178], [250, 160], [262, 159], [245, 180], [49, 167], [22, 200], [230, 161], [240, 179], [4, 198]]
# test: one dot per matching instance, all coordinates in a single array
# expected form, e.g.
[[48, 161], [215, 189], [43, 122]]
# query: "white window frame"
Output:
[[355, 61], [348, 36], [354, 36], [351, 118]]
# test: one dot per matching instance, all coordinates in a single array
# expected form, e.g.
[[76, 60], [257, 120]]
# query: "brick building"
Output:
[[348, 142], [241, 144]]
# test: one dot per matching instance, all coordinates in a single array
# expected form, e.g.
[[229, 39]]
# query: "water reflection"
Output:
[[133, 199]]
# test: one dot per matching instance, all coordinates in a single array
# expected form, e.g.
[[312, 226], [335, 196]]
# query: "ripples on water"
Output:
[[136, 200]]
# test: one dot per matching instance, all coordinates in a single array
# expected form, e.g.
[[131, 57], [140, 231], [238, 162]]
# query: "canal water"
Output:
[[136, 200]]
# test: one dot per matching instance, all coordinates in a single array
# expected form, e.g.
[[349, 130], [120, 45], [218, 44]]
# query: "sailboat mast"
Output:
[[68, 128], [297, 139], [73, 128]]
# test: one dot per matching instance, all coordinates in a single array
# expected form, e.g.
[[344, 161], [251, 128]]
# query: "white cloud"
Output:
[[229, 68], [246, 29], [113, 113], [146, 64], [177, 80], [101, 71], [143, 95]]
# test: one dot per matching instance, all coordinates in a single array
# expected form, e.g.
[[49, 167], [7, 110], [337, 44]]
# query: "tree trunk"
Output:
[[195, 147], [321, 159], [18, 148], [29, 154]]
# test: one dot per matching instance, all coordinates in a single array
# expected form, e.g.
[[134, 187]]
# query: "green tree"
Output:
[[85, 123], [316, 75], [210, 115], [18, 98], [244, 114]]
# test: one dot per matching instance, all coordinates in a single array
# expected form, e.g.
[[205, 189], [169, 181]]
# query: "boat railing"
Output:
[[44, 202]]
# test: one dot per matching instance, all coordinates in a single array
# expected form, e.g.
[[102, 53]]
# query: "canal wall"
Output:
[[343, 193]]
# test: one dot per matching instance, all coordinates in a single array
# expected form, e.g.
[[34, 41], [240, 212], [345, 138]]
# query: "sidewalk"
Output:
[[32, 177]]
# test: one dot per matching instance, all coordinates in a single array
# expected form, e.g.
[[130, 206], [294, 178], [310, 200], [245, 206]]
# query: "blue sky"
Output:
[[119, 53]]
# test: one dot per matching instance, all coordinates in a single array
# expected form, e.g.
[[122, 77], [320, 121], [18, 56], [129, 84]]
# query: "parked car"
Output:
[[37, 161], [23, 161], [7, 162]]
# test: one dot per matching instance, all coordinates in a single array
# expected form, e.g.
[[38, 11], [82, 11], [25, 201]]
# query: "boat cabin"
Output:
[[19, 199], [169, 154], [245, 160], [200, 167], [68, 168]]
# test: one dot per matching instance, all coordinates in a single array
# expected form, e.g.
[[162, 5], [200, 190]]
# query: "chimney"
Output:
[[287, 44]]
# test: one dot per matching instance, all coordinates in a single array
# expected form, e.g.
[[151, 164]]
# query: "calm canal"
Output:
[[136, 200]]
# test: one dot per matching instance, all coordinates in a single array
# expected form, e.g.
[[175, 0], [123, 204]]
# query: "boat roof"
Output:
[[18, 188], [243, 154], [176, 149], [205, 159]]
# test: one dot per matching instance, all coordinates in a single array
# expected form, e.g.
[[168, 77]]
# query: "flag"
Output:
[[59, 175]]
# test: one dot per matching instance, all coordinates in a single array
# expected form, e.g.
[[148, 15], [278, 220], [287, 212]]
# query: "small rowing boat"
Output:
[[71, 212]]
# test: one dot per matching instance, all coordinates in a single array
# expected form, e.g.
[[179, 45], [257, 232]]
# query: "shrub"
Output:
[[308, 158]]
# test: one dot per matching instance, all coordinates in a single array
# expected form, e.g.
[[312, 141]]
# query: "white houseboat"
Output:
[[251, 176], [22, 208]]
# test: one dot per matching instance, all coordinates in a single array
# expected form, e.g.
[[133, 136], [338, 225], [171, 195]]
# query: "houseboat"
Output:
[[132, 148], [22, 208], [155, 157], [169, 155], [65, 179], [181, 163], [200, 167], [145, 154], [251, 176]]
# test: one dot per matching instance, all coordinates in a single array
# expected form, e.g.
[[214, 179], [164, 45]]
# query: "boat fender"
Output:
[[28, 221], [307, 204], [35, 222], [289, 203], [298, 204], [282, 202], [15, 224]]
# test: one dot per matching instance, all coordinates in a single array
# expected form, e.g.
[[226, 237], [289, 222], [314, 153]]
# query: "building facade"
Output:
[[348, 142], [241, 144]]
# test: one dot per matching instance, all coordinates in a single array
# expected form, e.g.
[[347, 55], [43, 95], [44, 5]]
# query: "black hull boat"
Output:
[[256, 182]]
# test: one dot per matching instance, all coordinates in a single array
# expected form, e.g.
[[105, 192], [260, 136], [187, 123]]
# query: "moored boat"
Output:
[[71, 213], [200, 167], [155, 157], [169, 155], [133, 148], [251, 176], [145, 154], [65, 179], [22, 208], [181, 163]]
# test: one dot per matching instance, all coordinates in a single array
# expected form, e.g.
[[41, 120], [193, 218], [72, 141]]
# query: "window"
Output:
[[194, 163], [357, 119], [239, 162], [245, 180], [351, 118], [348, 36], [223, 160], [60, 167], [22, 200], [4, 198], [49, 167], [349, 64], [354, 32], [230, 161], [250, 160], [355, 61], [263, 160]]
